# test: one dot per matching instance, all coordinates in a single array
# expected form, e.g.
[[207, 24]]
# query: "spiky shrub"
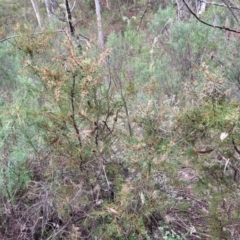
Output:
[[85, 172], [75, 170], [209, 125], [14, 147], [66, 115]]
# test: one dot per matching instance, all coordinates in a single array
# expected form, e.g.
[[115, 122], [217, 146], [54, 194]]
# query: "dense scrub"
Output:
[[152, 155]]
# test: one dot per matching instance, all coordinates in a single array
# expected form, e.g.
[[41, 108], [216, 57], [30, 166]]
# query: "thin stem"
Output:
[[208, 24], [73, 112], [69, 18]]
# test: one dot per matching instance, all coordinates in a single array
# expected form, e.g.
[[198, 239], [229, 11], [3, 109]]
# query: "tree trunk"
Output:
[[201, 7], [69, 18], [36, 10], [99, 24], [101, 38], [48, 8]]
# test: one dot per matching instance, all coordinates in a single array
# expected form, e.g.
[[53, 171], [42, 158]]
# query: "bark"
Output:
[[108, 5], [201, 7], [36, 10], [101, 38], [69, 18], [179, 6], [48, 7], [99, 24]]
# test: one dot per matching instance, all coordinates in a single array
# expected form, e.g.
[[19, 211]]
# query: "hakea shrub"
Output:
[[85, 179], [75, 104], [73, 113], [208, 128], [95, 169]]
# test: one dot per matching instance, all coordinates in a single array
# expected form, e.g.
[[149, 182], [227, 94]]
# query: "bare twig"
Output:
[[105, 175], [73, 6], [179, 7], [143, 17], [60, 229], [19, 35], [208, 24], [229, 8], [73, 112], [220, 5], [226, 164], [235, 146]]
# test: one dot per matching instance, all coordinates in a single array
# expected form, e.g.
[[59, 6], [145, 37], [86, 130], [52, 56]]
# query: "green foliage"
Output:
[[14, 175], [170, 234], [18, 139], [162, 19], [9, 67], [153, 155], [210, 112], [127, 52], [189, 41], [213, 114]]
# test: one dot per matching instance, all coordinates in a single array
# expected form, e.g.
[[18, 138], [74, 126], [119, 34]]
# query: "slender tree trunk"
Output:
[[201, 7], [36, 10], [101, 38], [99, 24], [48, 6], [69, 18], [108, 5]]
